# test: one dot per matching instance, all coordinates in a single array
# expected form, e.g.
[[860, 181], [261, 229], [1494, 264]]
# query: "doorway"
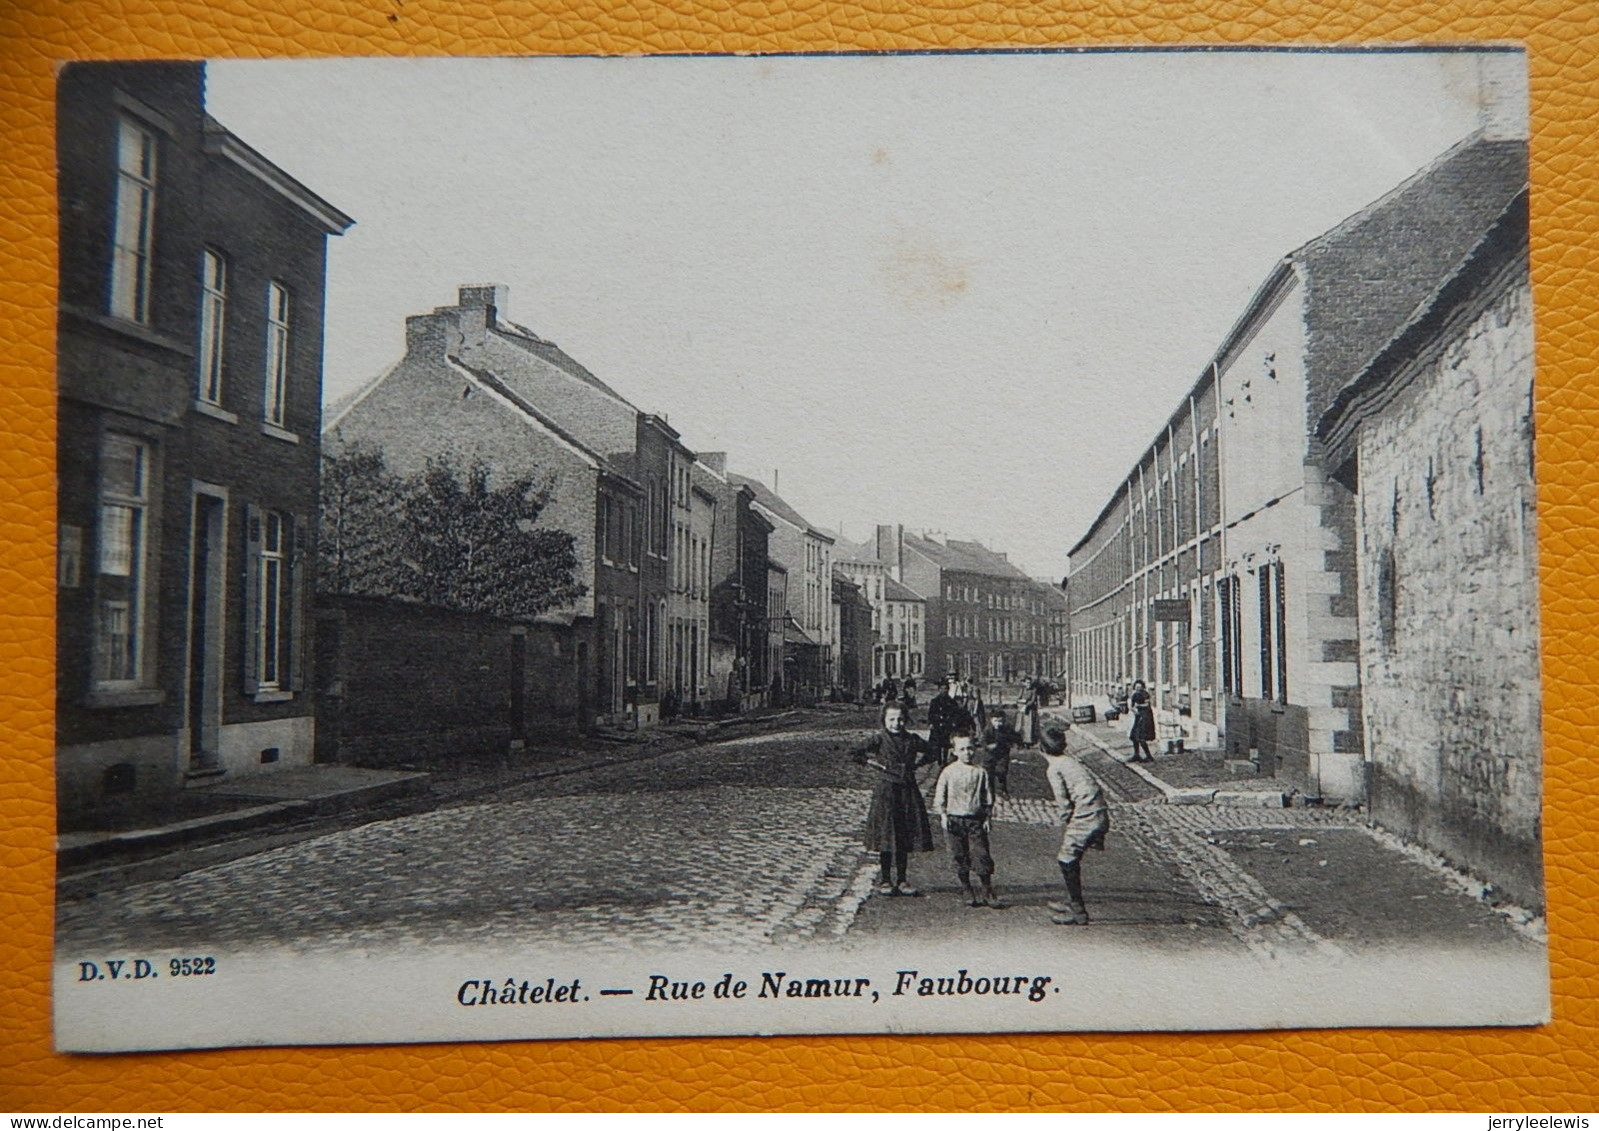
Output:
[[206, 586]]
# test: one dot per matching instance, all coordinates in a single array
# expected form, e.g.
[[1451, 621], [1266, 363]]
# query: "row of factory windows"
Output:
[[1177, 653]]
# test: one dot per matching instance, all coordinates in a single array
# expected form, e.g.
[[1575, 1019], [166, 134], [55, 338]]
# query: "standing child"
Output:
[[1087, 820], [998, 738], [964, 799], [896, 821]]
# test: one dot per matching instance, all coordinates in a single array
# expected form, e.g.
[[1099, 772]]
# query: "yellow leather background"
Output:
[[1553, 1068]]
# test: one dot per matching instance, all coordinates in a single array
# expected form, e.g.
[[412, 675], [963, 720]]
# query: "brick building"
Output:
[[1435, 436], [1055, 629], [983, 616], [623, 476], [192, 272], [1222, 571]]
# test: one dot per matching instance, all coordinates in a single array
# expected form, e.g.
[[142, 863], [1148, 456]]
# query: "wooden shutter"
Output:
[[297, 530], [253, 518]]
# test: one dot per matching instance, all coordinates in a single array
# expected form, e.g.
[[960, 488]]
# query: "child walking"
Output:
[[1085, 815], [964, 800], [896, 821]]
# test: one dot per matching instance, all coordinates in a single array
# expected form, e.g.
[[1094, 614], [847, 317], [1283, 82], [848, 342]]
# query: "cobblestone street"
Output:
[[755, 840]]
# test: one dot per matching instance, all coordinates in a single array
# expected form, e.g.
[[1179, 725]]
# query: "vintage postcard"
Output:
[[581, 547]]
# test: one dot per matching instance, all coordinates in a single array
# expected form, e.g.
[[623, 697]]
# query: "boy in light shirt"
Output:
[[1085, 816], [964, 799]]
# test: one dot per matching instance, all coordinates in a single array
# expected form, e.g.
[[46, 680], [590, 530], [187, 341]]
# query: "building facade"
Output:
[[1144, 590], [806, 552], [852, 628], [190, 376], [982, 615], [433, 401], [739, 658], [776, 633], [898, 613], [1435, 436], [1223, 569]]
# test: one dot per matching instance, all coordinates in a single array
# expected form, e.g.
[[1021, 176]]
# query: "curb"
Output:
[[1173, 795], [419, 797]]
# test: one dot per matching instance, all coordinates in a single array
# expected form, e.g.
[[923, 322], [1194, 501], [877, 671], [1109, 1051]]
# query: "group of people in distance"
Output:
[[971, 780]]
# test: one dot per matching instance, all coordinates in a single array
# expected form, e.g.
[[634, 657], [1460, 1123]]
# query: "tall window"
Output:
[[277, 352], [123, 537], [213, 305], [1282, 634], [269, 602], [133, 236], [1267, 669], [274, 604]]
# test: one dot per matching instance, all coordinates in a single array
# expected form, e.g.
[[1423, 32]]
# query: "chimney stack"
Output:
[[890, 549], [716, 461], [432, 337], [1502, 110]]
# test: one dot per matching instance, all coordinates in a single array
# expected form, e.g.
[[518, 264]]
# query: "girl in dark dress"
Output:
[[1143, 731], [896, 822]]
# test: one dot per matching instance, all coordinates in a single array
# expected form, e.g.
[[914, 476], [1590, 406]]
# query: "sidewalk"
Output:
[[265, 801], [1190, 778]]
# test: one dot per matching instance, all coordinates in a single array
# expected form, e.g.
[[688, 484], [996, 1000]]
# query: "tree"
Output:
[[447, 536], [467, 543], [357, 550]]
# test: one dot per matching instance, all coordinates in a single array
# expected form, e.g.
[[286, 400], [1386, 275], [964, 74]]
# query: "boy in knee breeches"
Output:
[[964, 799], [1083, 813]]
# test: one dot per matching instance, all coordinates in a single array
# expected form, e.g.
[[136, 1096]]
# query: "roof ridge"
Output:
[[1360, 215]]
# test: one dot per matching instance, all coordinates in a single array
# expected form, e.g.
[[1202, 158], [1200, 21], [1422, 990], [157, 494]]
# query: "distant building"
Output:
[[777, 621], [1055, 629], [1222, 570], [739, 659], [1435, 435], [189, 340], [983, 617], [898, 613], [852, 628], [806, 551]]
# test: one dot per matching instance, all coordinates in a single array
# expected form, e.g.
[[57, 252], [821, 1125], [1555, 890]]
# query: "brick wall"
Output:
[[1449, 601]]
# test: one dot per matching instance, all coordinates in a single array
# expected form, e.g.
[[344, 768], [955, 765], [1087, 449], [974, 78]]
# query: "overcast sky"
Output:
[[957, 292]]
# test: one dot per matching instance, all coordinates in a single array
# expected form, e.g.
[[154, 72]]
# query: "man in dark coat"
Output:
[[945, 715]]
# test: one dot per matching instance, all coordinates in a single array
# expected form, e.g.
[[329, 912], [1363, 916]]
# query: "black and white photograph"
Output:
[[792, 544]]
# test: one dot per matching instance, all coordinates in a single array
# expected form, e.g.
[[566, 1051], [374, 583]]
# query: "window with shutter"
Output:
[[253, 523]]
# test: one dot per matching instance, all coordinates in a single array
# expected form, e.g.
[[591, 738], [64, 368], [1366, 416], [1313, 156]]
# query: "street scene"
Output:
[[926, 535], [753, 840]]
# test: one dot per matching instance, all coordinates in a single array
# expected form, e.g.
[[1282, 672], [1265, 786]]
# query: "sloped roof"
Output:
[[775, 503], [334, 410], [794, 634], [552, 353], [1365, 277], [967, 557], [895, 591], [1504, 243], [846, 551]]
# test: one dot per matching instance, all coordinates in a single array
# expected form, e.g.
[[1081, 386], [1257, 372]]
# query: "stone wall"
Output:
[[1449, 600]]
